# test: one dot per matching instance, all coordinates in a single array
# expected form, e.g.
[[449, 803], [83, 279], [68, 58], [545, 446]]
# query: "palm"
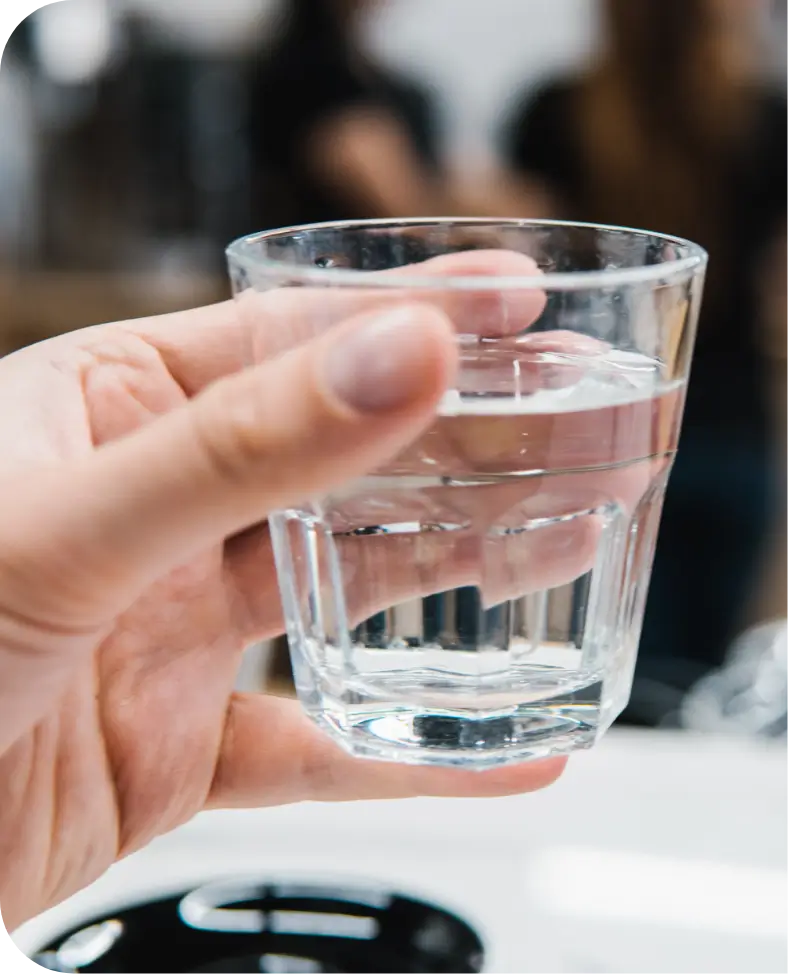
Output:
[[135, 735]]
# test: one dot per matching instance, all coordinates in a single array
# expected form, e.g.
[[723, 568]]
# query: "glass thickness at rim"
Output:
[[242, 253]]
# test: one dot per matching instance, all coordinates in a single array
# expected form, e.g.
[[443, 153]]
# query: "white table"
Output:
[[656, 852]]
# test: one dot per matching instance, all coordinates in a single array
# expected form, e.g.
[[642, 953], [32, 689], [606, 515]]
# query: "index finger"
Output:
[[204, 344]]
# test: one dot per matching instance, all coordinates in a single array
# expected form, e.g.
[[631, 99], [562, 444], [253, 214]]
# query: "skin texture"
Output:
[[140, 460]]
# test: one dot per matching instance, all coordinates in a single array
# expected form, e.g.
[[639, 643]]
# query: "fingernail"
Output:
[[386, 363]]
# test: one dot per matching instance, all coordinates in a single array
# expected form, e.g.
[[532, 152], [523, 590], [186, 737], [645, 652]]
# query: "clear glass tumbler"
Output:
[[478, 600]]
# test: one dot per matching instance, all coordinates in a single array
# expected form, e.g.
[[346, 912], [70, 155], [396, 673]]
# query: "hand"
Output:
[[139, 463]]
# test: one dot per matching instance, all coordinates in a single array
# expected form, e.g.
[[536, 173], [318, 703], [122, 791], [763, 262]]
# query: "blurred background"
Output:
[[140, 136]]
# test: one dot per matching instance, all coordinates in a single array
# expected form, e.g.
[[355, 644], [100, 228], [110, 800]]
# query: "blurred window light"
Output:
[[661, 891], [73, 39]]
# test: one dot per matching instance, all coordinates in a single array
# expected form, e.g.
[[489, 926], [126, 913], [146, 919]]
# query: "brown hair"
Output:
[[662, 114]]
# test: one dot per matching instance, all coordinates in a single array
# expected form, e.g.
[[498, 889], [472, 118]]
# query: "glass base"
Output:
[[452, 739]]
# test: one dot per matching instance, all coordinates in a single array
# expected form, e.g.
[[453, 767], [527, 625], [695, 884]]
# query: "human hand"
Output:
[[140, 462]]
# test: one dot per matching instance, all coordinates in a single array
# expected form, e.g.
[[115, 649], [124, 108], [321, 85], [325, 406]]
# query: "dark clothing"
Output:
[[309, 78], [718, 510], [720, 498]]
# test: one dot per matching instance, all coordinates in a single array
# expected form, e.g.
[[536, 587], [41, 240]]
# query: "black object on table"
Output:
[[269, 927]]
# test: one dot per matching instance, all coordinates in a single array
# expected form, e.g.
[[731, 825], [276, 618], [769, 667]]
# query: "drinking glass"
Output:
[[477, 600]]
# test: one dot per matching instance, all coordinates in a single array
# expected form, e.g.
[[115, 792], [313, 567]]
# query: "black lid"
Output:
[[281, 928]]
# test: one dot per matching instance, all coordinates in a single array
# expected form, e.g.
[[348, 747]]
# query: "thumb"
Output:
[[83, 546]]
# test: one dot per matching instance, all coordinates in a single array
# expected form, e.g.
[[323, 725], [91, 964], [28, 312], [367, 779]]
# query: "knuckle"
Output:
[[234, 431]]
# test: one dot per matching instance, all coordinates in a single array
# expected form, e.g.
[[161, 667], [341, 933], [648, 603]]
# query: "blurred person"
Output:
[[672, 131], [336, 135]]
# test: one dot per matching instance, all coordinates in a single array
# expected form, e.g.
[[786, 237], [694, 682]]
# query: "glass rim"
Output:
[[240, 253]]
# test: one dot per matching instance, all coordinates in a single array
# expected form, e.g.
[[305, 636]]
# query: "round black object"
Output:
[[277, 927]]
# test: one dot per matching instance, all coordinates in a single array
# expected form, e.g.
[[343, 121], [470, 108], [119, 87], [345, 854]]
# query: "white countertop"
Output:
[[656, 852]]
